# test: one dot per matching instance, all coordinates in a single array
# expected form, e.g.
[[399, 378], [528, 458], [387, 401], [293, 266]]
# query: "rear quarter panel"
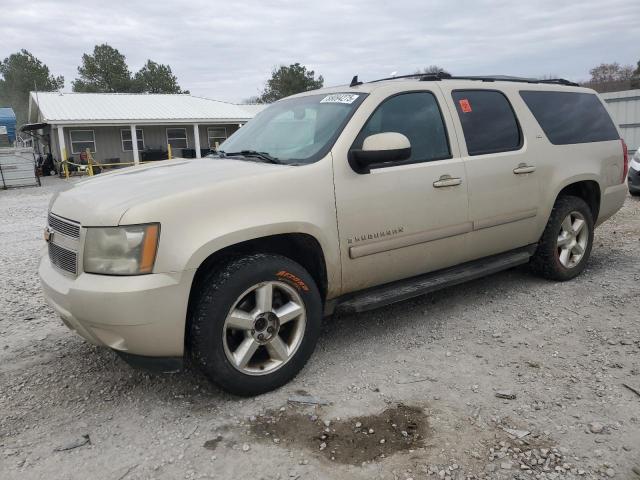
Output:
[[561, 165]]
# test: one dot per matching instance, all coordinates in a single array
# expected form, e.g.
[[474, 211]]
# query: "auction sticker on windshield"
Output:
[[340, 98]]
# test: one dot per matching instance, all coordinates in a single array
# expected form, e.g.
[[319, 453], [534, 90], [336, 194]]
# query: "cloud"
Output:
[[226, 50]]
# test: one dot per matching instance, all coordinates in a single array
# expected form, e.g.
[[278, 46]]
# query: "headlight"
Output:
[[129, 250]]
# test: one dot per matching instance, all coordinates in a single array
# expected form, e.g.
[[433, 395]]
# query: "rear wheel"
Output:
[[255, 323], [566, 243]]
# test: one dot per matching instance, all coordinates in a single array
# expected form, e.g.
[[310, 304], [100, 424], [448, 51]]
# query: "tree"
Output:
[[20, 73], [252, 100], [432, 69], [104, 71], [156, 78], [290, 80], [635, 78], [610, 72]]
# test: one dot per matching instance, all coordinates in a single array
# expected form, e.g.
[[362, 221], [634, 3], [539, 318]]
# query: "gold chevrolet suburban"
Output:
[[344, 198]]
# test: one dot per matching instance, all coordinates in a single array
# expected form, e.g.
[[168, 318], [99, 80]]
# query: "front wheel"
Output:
[[566, 243], [255, 323]]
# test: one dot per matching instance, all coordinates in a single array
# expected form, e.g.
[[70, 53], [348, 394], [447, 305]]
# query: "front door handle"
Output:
[[524, 168], [447, 181]]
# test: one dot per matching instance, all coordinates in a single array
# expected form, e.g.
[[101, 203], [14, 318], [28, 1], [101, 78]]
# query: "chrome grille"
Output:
[[64, 226], [63, 259], [64, 243]]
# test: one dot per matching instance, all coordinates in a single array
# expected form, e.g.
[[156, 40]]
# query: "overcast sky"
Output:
[[226, 50]]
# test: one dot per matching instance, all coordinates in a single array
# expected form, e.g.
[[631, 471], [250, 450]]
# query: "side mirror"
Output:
[[380, 148]]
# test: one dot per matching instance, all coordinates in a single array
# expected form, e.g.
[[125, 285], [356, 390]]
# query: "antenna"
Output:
[[355, 82]]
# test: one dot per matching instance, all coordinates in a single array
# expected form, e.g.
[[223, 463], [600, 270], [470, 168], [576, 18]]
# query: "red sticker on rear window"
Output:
[[465, 105]]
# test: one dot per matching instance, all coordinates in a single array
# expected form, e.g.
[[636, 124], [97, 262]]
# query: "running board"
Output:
[[389, 293]]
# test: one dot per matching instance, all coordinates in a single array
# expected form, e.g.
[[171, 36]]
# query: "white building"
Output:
[[625, 109], [123, 127]]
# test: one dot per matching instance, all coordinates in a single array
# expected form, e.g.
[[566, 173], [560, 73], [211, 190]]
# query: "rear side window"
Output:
[[570, 117], [417, 116], [488, 121]]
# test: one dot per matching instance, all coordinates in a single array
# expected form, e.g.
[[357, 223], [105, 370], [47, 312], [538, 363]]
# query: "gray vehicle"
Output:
[[345, 198], [634, 174]]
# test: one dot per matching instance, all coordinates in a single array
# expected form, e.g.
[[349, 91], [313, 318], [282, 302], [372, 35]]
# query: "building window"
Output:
[[81, 140], [177, 137], [216, 135], [127, 144]]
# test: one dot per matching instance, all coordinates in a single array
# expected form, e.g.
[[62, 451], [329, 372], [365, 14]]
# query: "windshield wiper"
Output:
[[252, 153]]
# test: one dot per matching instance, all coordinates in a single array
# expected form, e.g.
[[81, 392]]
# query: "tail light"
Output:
[[625, 159]]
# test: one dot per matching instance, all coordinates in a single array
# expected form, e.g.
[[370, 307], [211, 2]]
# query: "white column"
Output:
[[134, 144], [61, 144], [196, 137]]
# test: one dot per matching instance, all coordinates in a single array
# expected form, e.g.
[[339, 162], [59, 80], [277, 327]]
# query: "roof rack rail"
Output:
[[560, 81], [413, 75], [430, 77]]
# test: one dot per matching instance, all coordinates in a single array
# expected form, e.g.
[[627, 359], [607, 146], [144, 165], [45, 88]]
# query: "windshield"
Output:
[[295, 130]]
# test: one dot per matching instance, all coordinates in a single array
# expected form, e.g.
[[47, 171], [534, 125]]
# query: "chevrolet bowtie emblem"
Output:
[[48, 234]]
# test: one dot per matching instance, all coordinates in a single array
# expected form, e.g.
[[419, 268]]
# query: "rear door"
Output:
[[503, 184]]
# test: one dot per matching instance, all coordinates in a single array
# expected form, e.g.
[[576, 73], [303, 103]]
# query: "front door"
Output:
[[405, 218]]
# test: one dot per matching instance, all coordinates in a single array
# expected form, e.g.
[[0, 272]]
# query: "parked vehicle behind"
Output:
[[634, 174], [344, 198]]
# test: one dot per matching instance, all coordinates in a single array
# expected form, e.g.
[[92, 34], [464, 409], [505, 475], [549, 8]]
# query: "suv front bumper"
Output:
[[140, 315]]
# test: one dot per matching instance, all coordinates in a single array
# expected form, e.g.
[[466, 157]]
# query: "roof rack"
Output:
[[430, 77]]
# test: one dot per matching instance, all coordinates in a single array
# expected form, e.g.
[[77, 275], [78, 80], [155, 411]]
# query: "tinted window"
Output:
[[570, 117], [415, 115], [488, 121]]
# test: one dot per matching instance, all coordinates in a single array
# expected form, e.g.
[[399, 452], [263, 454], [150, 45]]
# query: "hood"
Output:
[[103, 199]]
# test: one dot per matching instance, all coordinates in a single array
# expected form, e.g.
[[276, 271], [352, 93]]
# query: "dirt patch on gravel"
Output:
[[351, 441]]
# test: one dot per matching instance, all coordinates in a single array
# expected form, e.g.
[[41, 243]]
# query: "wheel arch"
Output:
[[302, 248], [587, 189]]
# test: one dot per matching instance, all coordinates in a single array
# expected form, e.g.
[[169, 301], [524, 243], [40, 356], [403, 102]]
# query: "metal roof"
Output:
[[117, 108], [7, 114]]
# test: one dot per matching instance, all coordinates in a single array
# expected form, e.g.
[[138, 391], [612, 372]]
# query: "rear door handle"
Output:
[[447, 181], [524, 168]]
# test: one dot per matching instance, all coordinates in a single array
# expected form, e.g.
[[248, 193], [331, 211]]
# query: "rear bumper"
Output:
[[612, 200], [139, 315]]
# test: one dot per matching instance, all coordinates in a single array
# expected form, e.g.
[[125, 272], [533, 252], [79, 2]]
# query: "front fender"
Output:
[[261, 231], [199, 222]]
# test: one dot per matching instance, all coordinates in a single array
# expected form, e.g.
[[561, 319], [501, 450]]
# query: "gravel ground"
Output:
[[412, 389]]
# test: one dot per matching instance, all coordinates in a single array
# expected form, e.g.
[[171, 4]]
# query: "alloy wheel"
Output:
[[264, 328], [572, 239]]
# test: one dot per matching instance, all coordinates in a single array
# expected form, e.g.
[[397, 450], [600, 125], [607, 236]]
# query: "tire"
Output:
[[550, 259], [232, 311]]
